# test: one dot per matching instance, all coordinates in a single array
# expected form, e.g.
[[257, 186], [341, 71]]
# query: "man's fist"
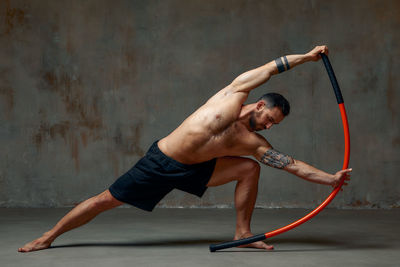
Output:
[[314, 54], [340, 176]]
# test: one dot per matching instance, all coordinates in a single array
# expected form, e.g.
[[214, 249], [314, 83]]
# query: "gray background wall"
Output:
[[87, 86]]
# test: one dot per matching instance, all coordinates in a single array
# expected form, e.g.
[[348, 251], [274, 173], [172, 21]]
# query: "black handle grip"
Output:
[[236, 243], [332, 77]]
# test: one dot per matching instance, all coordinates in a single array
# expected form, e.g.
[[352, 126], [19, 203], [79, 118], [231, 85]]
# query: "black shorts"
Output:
[[155, 175]]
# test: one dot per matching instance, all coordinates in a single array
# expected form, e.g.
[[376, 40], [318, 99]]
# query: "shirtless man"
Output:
[[205, 151]]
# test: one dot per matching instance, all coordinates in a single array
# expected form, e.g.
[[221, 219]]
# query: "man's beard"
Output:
[[252, 122]]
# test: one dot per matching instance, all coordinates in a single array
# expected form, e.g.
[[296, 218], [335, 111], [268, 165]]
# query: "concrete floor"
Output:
[[180, 237]]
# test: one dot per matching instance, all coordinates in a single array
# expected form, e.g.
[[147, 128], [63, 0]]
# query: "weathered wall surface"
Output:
[[87, 86]]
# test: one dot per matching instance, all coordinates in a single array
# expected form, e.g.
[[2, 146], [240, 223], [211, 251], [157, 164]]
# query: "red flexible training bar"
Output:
[[339, 98]]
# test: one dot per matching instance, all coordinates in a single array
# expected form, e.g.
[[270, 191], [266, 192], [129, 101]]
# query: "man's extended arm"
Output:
[[276, 159], [254, 78]]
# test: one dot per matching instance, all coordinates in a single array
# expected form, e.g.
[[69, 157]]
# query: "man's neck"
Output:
[[245, 114]]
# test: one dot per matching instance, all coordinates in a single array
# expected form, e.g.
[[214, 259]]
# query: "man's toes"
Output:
[[22, 250], [268, 247], [29, 247]]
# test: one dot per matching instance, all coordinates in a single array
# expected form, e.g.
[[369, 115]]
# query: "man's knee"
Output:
[[105, 201], [250, 169]]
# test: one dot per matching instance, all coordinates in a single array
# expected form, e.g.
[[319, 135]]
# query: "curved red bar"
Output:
[[334, 192]]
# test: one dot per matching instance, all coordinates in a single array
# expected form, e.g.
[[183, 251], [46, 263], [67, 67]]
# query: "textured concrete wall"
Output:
[[86, 86]]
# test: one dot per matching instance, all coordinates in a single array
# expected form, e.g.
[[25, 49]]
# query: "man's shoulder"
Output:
[[229, 96]]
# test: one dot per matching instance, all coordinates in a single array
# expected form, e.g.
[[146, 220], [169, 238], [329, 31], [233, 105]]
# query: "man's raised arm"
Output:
[[254, 78]]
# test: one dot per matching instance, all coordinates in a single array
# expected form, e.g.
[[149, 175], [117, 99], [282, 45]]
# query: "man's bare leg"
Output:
[[78, 216], [246, 172]]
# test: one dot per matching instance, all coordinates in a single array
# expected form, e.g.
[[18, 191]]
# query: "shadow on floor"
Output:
[[313, 244], [141, 243], [317, 244]]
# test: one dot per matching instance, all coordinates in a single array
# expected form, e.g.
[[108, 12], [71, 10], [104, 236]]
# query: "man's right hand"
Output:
[[314, 54], [340, 176]]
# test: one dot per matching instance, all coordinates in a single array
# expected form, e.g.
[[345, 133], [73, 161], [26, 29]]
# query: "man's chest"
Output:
[[232, 139]]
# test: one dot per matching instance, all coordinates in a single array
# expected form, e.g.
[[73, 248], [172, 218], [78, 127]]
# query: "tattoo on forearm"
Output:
[[282, 66], [276, 159]]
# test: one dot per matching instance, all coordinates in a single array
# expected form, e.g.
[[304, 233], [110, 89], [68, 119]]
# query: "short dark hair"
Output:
[[276, 100]]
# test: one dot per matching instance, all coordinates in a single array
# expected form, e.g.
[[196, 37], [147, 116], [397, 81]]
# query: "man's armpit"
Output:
[[276, 159]]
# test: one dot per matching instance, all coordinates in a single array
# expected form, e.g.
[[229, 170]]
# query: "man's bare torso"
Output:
[[212, 131]]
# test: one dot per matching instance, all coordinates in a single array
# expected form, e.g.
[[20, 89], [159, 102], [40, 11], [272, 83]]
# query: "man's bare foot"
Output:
[[38, 244], [259, 244]]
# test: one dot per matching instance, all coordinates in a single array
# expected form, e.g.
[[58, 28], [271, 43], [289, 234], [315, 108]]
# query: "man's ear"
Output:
[[260, 105]]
